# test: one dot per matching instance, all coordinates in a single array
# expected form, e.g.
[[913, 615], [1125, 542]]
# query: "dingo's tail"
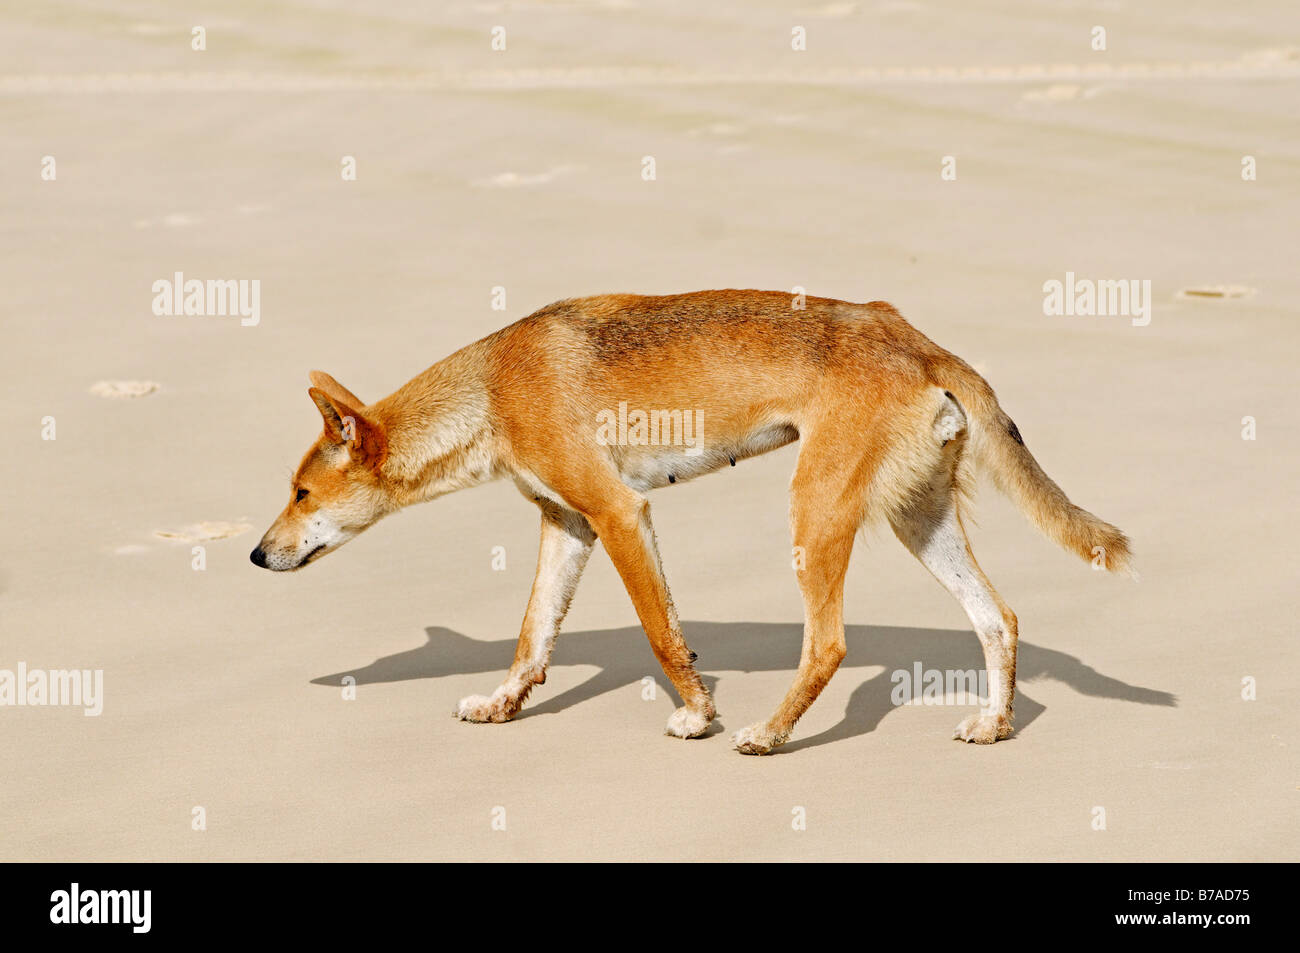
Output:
[[999, 449]]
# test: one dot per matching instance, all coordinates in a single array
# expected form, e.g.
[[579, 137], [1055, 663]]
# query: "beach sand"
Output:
[[223, 688]]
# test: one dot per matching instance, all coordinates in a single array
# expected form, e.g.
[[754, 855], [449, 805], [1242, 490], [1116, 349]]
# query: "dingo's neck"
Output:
[[439, 437]]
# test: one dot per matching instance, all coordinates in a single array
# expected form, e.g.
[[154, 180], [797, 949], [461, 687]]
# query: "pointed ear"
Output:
[[365, 438], [332, 387]]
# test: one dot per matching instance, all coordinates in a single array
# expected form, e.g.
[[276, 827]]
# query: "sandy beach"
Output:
[[398, 188]]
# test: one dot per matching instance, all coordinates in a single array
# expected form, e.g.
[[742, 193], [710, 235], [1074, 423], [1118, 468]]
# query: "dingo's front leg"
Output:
[[624, 528], [566, 543]]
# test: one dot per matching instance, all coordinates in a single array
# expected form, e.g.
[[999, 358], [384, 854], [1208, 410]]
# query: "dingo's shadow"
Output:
[[624, 658]]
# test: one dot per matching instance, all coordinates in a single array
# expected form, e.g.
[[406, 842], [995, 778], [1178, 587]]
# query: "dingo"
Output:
[[892, 426]]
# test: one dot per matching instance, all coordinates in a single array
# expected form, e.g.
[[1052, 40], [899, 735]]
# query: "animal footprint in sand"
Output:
[[1217, 292], [204, 531], [118, 390]]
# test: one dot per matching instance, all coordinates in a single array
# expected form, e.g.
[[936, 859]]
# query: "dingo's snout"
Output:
[[277, 558], [292, 542]]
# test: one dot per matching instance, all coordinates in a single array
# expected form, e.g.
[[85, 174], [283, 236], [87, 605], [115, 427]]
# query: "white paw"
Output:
[[483, 708], [756, 739], [983, 729], [688, 723]]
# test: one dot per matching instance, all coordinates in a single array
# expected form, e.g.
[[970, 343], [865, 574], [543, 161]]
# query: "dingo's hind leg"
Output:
[[827, 498], [566, 543], [932, 529]]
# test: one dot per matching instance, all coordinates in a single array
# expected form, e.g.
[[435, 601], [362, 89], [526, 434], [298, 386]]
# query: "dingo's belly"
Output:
[[653, 458]]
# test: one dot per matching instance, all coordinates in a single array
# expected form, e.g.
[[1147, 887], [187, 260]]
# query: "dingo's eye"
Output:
[[301, 493]]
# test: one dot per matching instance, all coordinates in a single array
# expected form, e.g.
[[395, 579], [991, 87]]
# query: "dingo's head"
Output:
[[337, 491]]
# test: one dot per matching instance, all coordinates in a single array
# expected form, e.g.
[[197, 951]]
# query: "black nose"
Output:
[[258, 557]]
